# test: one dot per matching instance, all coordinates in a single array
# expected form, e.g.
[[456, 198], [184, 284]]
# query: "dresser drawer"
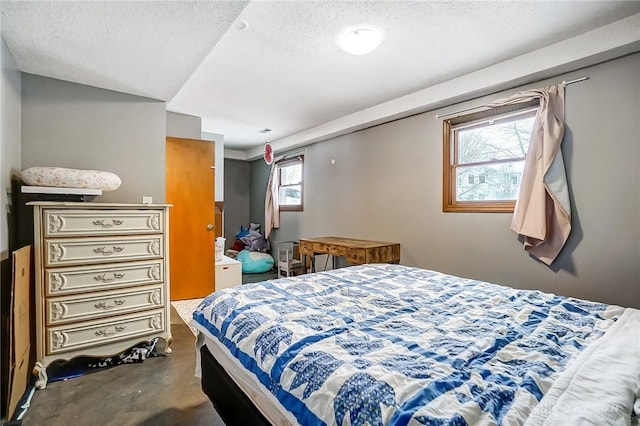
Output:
[[62, 310], [337, 250], [356, 256], [320, 248], [306, 247], [77, 251], [78, 279], [66, 223], [94, 333]]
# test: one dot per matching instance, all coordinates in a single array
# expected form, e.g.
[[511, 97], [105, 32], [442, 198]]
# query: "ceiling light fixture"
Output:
[[360, 40]]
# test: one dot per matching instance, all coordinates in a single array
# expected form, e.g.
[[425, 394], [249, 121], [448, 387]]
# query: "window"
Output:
[[290, 184], [484, 157]]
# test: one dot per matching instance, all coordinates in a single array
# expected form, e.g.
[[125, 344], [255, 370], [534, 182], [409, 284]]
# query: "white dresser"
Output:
[[102, 279]]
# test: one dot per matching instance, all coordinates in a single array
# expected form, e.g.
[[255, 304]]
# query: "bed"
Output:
[[395, 345]]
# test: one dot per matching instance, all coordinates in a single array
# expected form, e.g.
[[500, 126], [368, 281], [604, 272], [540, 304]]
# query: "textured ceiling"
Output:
[[285, 71], [146, 48]]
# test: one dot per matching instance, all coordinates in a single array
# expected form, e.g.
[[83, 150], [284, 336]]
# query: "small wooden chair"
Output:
[[288, 266]]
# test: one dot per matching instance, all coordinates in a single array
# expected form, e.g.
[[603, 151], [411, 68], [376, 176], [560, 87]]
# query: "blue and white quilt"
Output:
[[395, 345]]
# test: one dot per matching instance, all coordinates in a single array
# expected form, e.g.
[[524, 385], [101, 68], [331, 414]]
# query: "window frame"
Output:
[[287, 162], [450, 165]]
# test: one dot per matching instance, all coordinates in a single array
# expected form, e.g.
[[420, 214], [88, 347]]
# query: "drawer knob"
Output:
[[105, 305], [104, 224], [103, 250], [104, 279], [107, 332]]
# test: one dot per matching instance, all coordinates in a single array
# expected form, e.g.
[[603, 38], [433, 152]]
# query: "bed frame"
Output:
[[231, 403]]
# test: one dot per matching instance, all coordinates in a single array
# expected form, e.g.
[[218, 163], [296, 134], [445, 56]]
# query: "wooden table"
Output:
[[354, 251]]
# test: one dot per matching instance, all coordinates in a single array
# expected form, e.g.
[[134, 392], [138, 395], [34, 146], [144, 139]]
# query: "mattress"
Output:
[[390, 344], [262, 399]]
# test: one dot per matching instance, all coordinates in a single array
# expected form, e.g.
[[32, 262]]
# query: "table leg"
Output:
[[312, 264]]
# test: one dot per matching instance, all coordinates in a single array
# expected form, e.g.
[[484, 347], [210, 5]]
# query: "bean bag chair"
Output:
[[254, 262]]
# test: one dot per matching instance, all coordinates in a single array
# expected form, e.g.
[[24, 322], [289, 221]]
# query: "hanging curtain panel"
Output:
[[271, 208], [542, 214]]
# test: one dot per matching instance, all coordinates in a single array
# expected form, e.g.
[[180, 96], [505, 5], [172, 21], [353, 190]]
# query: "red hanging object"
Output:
[[268, 153]]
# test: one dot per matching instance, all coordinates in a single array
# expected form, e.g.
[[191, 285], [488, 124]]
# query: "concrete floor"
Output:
[[159, 391], [255, 278]]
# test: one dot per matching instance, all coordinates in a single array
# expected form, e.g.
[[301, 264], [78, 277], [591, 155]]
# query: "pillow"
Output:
[[254, 262], [243, 232], [71, 178], [238, 246], [255, 242]]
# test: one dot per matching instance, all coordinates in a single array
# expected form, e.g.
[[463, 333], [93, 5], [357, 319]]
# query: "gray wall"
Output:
[[386, 184], [236, 204], [219, 159], [72, 125], [183, 126], [10, 98], [10, 88]]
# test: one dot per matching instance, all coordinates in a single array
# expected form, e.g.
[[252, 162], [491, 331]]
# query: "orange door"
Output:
[[190, 188]]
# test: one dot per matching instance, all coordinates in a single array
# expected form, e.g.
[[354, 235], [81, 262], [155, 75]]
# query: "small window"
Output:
[[290, 184], [484, 157]]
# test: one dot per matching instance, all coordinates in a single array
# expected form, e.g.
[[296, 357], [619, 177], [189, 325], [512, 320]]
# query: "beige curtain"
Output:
[[543, 214], [271, 208]]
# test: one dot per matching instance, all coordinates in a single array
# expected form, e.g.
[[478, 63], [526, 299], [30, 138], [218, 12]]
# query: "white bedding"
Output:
[[602, 385]]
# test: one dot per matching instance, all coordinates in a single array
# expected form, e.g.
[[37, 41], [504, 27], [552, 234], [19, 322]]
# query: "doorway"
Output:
[[190, 186]]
